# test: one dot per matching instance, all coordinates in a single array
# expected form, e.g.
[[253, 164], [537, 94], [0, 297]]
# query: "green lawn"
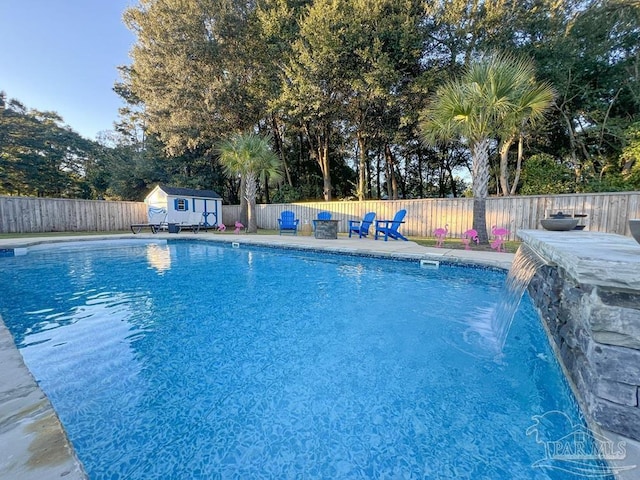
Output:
[[58, 234], [454, 243]]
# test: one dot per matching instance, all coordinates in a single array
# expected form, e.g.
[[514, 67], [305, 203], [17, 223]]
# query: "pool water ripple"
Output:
[[190, 360]]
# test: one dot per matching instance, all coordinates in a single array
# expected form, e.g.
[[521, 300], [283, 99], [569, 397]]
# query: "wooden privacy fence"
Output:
[[605, 212], [29, 214]]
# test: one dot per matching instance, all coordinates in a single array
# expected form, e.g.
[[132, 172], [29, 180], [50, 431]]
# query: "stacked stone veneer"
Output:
[[589, 298], [326, 229]]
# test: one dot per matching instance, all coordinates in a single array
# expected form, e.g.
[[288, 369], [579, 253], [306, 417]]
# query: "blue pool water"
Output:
[[199, 361]]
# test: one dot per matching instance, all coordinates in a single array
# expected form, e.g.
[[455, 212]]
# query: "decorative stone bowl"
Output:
[[559, 224], [634, 226]]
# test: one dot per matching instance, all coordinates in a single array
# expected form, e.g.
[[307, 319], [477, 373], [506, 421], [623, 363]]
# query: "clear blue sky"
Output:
[[61, 56]]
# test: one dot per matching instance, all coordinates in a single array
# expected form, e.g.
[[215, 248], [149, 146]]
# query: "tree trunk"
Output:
[[320, 146], [251, 191], [480, 186], [454, 190], [369, 191], [267, 198], [243, 202], [401, 185], [392, 180], [378, 178], [279, 147], [505, 145], [516, 179], [441, 183], [571, 134], [362, 165], [326, 174], [480, 219], [420, 174]]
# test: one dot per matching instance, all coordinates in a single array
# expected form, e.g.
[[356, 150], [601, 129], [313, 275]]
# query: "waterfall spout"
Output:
[[525, 265], [486, 329]]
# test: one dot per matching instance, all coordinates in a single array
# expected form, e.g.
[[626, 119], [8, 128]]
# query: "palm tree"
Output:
[[249, 155], [480, 106]]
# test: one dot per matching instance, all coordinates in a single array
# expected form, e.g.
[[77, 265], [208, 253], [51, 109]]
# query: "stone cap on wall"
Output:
[[594, 258]]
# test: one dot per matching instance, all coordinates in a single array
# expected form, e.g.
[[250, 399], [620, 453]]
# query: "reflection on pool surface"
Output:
[[192, 360]]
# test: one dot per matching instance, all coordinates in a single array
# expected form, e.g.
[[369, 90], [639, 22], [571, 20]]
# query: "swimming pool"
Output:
[[195, 360]]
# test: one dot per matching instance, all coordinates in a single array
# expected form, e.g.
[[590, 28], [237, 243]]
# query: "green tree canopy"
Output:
[[40, 156], [339, 86], [193, 69], [543, 175]]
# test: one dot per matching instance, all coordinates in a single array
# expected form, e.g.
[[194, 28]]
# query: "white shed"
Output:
[[180, 204]]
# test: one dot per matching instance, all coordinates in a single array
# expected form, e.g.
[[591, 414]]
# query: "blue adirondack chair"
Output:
[[389, 228], [361, 227], [288, 223], [322, 216]]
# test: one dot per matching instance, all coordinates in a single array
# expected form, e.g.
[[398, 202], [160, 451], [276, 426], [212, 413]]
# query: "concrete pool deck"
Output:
[[34, 444]]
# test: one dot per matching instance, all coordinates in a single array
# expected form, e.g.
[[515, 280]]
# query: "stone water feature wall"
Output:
[[589, 298]]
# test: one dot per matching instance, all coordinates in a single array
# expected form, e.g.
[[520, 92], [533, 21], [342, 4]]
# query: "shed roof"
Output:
[[188, 192]]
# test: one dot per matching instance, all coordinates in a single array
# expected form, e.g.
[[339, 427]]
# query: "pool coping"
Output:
[[342, 245], [38, 447], [34, 443]]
